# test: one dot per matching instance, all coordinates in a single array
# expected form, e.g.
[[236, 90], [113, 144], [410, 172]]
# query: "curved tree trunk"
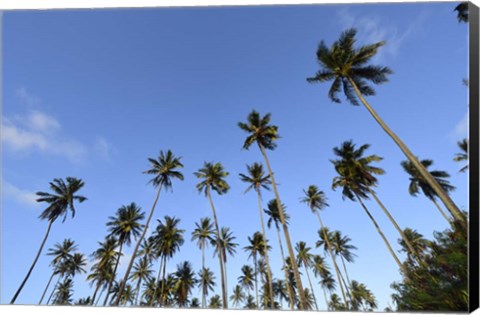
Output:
[[337, 270], [291, 253], [162, 290], [53, 291], [402, 267], [256, 282], [219, 251], [400, 231], [138, 290], [156, 283], [311, 286], [287, 282], [203, 270], [269, 272], [441, 211], [345, 268], [46, 288], [33, 264], [100, 296], [114, 274], [134, 254], [94, 293], [451, 206]]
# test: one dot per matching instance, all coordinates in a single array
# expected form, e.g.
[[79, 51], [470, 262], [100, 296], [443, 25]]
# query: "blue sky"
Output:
[[93, 93]]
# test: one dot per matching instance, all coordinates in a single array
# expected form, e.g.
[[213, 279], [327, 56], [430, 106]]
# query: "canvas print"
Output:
[[294, 157]]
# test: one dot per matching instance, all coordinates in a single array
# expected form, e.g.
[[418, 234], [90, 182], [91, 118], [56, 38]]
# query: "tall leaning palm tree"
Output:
[[317, 201], [59, 203], [463, 155], [124, 225], [417, 183], [212, 176], [142, 272], [264, 135], [354, 187], [257, 180], [348, 68], [164, 169], [361, 165], [203, 235]]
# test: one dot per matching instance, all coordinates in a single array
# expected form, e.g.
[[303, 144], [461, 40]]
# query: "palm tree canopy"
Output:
[[314, 198], [462, 12], [259, 131], [164, 169], [274, 214], [227, 244], [258, 245], [215, 302], [142, 270], [126, 223], [206, 280], [212, 175], [341, 245], [203, 232], [76, 263], [322, 240], [238, 296], [417, 181], [185, 281], [342, 62], [304, 257], [247, 277], [62, 199], [355, 172], [106, 254], [463, 155], [62, 251], [256, 177], [168, 238]]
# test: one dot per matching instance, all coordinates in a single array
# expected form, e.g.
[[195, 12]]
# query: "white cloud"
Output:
[[103, 148], [461, 129], [38, 132], [24, 197], [27, 98], [372, 29]]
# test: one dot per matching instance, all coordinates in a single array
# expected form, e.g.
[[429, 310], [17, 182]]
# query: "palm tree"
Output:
[[361, 296], [280, 290], [347, 67], [309, 299], [462, 12], [343, 249], [215, 302], [141, 272], [147, 249], [352, 179], [164, 169], [168, 239], [418, 242], [463, 155], [59, 202], [274, 218], [185, 281], [247, 278], [125, 225], [212, 176], [227, 245], [335, 303], [316, 201], [238, 296], [258, 246], [417, 183], [60, 253], [257, 179], [320, 269], [63, 295], [250, 303], [361, 166], [304, 257], [194, 303], [76, 264], [203, 234], [207, 283], [265, 135], [102, 271]]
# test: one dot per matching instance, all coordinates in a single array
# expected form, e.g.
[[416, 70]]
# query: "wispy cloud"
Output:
[[460, 130], [36, 131], [22, 196], [372, 29]]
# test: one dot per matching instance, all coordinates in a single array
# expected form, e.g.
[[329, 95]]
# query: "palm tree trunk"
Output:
[[423, 171], [94, 293], [53, 291], [33, 264], [256, 282], [402, 267], [138, 290], [345, 268], [46, 288], [114, 274], [162, 290], [287, 282], [219, 251], [203, 269], [269, 272], [156, 283], [325, 296], [291, 253], [100, 296], [400, 231], [225, 271], [134, 254], [311, 286], [441, 211], [337, 270]]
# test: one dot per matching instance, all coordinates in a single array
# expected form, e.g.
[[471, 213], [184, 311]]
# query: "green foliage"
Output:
[[442, 283]]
